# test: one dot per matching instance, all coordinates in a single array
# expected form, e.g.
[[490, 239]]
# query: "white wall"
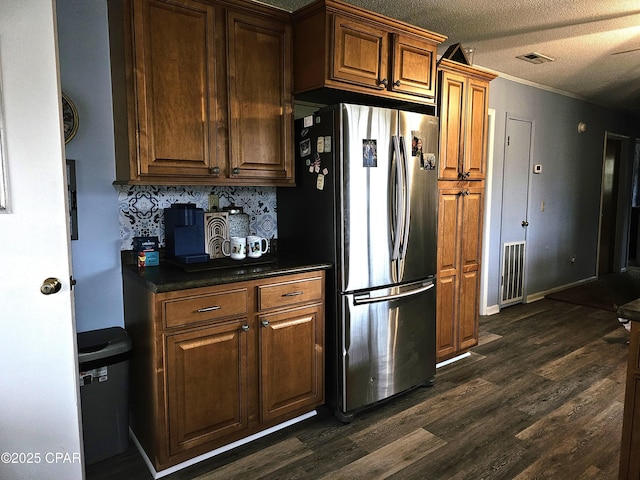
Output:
[[86, 78]]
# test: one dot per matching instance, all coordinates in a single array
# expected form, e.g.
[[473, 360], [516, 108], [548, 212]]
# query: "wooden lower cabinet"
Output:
[[214, 365], [291, 373], [629, 452], [458, 273], [206, 373]]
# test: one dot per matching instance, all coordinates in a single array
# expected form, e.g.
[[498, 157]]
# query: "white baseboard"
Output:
[[492, 310], [534, 297], [217, 451], [452, 360]]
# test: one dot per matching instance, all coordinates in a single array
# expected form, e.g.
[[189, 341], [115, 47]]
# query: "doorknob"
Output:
[[525, 223], [50, 285]]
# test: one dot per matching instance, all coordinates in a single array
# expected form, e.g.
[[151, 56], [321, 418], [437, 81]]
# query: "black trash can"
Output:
[[103, 357]]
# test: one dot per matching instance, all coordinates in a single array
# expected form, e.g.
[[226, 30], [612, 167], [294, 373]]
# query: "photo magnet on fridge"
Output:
[[428, 161], [305, 147], [369, 153]]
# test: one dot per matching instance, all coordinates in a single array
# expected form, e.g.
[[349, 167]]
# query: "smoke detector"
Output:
[[535, 58]]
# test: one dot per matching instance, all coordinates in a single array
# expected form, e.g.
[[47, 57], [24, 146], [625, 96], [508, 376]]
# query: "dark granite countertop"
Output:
[[168, 277], [630, 311]]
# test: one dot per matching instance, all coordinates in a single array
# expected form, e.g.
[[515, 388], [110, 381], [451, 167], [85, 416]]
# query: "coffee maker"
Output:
[[184, 233]]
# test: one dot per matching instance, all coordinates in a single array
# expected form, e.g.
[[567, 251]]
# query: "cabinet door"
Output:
[[470, 257], [292, 361], [360, 53], [206, 372], [175, 87], [260, 98], [475, 149], [452, 124], [447, 272], [413, 66]]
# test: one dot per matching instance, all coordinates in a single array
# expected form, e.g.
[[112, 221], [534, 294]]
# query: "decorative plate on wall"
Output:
[[69, 118]]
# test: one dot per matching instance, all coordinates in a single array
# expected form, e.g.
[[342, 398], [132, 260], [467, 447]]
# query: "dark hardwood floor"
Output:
[[541, 396]]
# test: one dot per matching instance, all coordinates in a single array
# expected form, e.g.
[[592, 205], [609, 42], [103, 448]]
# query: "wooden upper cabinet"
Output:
[[463, 100], [260, 98], [360, 53], [205, 91], [343, 47], [413, 66], [175, 87]]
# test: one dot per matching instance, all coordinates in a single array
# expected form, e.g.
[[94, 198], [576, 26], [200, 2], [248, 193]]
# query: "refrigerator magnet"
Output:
[[320, 182], [308, 121], [304, 132], [305, 147], [325, 171], [311, 169], [327, 144], [307, 162], [429, 161], [320, 145], [369, 153]]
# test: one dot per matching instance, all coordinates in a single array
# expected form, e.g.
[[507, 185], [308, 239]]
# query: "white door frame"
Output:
[[486, 234]]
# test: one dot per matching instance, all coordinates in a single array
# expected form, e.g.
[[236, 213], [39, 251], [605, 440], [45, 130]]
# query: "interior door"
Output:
[[39, 390], [515, 195]]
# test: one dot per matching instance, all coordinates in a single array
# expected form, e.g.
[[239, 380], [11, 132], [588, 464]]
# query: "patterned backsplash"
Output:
[[142, 215]]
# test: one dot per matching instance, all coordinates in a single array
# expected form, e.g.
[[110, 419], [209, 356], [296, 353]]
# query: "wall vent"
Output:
[[512, 273], [535, 58]]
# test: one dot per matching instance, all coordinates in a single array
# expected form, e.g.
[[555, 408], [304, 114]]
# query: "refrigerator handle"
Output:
[[399, 181], [363, 299], [406, 197]]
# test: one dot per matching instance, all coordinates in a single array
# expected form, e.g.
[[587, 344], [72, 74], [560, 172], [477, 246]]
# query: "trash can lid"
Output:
[[103, 343]]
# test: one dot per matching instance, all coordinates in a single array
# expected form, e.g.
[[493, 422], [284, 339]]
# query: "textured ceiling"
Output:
[[595, 44]]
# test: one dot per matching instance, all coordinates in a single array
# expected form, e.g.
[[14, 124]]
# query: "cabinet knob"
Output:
[[525, 223], [235, 171], [215, 170], [265, 323], [464, 193], [245, 328], [465, 175], [397, 83], [383, 82]]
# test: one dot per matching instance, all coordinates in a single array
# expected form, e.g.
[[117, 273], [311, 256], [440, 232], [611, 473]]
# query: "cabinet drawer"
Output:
[[289, 293], [205, 307]]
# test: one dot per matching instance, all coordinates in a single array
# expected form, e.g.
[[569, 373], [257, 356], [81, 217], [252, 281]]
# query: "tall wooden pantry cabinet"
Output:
[[463, 99]]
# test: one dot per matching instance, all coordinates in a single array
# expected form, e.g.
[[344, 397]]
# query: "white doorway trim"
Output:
[[484, 277]]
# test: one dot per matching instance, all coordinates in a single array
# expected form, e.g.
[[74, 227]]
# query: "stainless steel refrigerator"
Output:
[[366, 200]]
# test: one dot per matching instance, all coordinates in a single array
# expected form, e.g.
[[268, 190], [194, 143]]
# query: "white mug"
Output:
[[257, 246], [237, 248]]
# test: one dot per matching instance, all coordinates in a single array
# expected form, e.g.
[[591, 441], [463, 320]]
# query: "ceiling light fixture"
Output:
[[535, 58]]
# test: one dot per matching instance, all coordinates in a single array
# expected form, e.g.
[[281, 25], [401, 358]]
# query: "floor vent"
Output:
[[512, 272]]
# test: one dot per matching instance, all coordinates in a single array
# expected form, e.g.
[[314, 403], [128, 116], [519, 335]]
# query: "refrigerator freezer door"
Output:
[[388, 344]]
